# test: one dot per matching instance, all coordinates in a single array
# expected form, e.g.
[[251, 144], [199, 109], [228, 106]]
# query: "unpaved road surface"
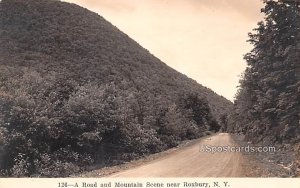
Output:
[[190, 162]]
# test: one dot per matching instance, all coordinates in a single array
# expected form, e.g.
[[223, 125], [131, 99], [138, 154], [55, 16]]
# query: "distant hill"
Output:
[[75, 91]]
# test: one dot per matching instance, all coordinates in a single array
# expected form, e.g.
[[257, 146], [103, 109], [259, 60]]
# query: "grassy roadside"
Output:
[[106, 171], [276, 164]]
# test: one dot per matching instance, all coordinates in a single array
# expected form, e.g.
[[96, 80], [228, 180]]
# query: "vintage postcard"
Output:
[[150, 93]]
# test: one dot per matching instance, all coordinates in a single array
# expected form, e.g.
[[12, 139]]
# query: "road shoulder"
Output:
[[106, 171]]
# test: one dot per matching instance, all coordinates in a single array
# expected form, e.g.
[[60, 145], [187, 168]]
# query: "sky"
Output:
[[203, 39]]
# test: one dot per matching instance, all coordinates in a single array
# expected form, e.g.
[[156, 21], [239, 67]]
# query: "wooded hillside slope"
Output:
[[75, 91]]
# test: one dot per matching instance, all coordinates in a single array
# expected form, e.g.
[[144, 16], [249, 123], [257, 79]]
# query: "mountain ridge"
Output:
[[76, 91]]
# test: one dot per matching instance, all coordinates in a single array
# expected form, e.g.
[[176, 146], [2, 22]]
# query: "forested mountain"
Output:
[[267, 106], [75, 91]]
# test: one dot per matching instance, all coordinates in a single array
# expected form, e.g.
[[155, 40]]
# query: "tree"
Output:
[[267, 103]]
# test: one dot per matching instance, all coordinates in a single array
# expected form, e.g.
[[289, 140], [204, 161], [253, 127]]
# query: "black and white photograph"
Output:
[[150, 89]]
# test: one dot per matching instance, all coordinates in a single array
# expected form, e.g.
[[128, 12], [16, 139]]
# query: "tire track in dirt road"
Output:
[[190, 162]]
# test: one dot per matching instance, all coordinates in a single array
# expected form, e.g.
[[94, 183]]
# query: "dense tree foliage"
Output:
[[75, 92], [267, 106]]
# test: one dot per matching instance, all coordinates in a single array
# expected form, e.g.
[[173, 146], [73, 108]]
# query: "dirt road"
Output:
[[190, 162]]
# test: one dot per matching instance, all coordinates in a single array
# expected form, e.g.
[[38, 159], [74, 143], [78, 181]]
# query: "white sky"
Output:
[[204, 39]]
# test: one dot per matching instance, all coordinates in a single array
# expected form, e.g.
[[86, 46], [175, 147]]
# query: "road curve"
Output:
[[190, 162]]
